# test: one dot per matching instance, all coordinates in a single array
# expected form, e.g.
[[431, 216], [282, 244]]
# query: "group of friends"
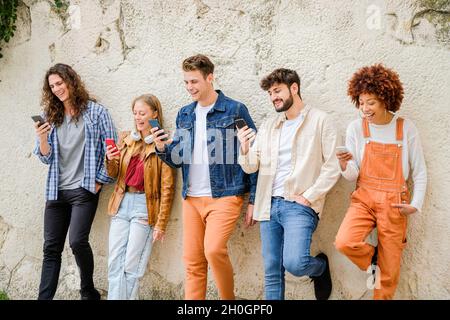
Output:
[[287, 165]]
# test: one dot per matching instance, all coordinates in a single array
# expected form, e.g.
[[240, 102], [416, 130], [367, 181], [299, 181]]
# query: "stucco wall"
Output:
[[126, 48]]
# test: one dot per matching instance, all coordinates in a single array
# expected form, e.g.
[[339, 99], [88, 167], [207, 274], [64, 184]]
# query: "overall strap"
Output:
[[399, 131], [365, 126]]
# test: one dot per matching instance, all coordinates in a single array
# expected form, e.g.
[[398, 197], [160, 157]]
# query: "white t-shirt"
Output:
[[412, 153], [199, 179], [284, 154]]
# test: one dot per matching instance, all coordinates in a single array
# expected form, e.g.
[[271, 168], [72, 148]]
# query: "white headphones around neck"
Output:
[[136, 137]]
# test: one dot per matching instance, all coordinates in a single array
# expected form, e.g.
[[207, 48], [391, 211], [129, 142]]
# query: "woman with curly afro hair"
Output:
[[71, 141], [381, 150]]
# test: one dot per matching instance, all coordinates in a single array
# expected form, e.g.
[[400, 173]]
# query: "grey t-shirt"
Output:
[[71, 143]]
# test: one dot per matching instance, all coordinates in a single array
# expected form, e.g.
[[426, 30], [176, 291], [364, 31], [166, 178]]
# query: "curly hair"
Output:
[[281, 75], [380, 81], [78, 95]]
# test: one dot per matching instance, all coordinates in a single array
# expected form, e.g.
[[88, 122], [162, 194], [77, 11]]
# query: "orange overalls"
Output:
[[379, 184]]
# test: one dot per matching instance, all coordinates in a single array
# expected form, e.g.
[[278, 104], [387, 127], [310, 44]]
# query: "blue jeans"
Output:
[[286, 241], [130, 245]]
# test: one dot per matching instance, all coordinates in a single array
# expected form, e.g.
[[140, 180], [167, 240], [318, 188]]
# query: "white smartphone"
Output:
[[341, 149]]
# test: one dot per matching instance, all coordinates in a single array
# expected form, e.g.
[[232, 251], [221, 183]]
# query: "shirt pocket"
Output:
[[226, 127], [184, 133], [224, 134], [186, 124]]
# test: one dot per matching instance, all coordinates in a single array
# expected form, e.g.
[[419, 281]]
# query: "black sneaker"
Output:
[[322, 283], [373, 264], [90, 295], [375, 256]]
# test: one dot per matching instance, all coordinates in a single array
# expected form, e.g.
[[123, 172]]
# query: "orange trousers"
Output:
[[207, 226], [369, 209]]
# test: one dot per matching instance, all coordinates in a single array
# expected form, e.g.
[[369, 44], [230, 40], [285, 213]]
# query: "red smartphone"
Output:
[[110, 142]]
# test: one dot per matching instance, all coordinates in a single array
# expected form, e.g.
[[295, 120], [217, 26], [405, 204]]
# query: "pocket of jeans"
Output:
[[139, 214], [224, 129], [307, 208], [82, 193], [303, 205]]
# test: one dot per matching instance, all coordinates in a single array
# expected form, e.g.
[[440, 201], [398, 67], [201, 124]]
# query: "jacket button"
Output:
[[403, 201]]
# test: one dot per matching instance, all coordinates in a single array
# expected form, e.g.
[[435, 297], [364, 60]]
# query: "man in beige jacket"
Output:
[[295, 155]]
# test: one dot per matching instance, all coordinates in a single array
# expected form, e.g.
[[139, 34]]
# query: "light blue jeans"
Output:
[[286, 241], [130, 245]]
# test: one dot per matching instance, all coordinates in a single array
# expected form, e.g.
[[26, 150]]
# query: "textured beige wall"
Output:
[[126, 48]]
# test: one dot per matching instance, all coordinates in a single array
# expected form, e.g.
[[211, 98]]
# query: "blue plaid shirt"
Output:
[[98, 125]]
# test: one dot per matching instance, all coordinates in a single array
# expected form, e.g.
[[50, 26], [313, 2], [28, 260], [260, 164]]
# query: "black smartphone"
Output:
[[38, 119], [240, 123], [155, 124]]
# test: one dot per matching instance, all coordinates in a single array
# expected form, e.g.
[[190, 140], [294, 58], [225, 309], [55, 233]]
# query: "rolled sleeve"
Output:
[[107, 130], [47, 159]]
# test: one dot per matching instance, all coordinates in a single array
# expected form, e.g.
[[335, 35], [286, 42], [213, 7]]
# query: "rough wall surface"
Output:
[[124, 48]]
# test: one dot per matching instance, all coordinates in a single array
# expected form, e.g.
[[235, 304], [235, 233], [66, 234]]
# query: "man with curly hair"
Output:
[[381, 150], [72, 143], [294, 153]]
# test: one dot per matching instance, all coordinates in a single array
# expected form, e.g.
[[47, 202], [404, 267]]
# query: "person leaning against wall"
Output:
[[71, 143], [141, 202], [382, 148], [294, 153], [213, 182]]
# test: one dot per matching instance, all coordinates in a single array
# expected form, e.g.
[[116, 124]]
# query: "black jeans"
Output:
[[74, 211]]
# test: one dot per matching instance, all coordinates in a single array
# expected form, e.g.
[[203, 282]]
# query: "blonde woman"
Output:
[[141, 202]]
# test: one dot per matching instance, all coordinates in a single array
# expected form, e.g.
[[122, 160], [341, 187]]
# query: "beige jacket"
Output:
[[314, 169]]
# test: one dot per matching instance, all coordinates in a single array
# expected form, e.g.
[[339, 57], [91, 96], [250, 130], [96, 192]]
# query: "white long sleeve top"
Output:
[[412, 153]]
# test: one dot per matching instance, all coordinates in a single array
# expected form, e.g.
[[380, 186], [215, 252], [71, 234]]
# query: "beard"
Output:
[[286, 104]]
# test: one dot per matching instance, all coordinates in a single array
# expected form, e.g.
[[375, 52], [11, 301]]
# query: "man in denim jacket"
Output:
[[205, 146]]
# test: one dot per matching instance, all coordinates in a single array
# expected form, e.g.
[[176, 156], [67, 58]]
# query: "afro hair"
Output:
[[377, 80]]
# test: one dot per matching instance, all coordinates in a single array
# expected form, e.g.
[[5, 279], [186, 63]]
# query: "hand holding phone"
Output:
[[240, 123], [42, 127], [38, 119], [246, 137], [155, 124], [112, 152], [341, 149], [343, 156], [111, 142]]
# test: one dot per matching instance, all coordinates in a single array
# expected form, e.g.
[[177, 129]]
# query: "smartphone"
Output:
[[155, 124], [240, 123], [341, 149], [38, 119], [110, 142]]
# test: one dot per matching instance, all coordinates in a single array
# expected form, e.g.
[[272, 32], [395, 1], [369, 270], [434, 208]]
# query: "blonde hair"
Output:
[[155, 105]]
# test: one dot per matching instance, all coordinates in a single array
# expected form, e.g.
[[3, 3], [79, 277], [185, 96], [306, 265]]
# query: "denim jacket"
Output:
[[226, 175]]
